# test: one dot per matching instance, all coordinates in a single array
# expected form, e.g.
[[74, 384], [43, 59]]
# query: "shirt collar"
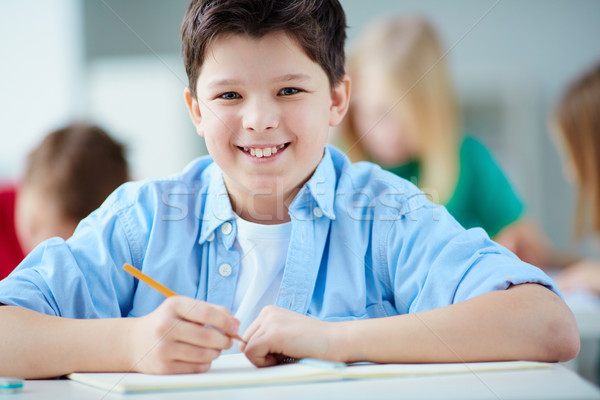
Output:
[[217, 208], [318, 191]]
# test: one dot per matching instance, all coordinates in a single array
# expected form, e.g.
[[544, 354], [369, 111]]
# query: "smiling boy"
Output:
[[276, 232], [264, 109]]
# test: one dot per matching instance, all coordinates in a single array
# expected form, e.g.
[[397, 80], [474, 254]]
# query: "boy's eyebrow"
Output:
[[292, 77], [223, 82], [279, 79]]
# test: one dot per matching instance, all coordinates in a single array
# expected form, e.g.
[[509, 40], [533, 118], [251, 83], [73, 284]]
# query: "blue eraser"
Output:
[[315, 362], [10, 385]]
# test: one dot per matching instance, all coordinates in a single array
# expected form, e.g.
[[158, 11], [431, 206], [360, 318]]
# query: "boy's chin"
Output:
[[257, 188], [274, 188]]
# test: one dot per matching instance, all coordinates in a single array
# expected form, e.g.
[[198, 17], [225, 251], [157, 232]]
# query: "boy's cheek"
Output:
[[202, 127]]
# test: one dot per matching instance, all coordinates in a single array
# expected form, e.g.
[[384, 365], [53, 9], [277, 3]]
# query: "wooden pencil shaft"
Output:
[[161, 288]]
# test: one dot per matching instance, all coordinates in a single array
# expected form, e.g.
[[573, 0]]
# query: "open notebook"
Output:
[[236, 370]]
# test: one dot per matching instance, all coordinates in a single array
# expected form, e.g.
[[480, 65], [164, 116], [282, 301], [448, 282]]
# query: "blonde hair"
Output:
[[577, 117], [409, 54]]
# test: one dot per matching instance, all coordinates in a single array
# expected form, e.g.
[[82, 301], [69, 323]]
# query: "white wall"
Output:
[[41, 60], [139, 99]]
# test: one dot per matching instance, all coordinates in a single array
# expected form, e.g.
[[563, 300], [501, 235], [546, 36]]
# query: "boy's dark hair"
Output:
[[76, 168], [319, 26]]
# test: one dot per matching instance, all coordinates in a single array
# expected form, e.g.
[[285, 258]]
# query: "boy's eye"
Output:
[[288, 91], [229, 96]]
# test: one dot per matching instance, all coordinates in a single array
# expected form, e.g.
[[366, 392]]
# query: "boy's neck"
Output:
[[263, 209]]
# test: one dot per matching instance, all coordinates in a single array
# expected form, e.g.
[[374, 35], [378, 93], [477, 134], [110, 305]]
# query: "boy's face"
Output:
[[264, 109]]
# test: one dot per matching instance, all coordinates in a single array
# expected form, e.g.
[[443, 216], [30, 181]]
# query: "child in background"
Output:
[[576, 128], [67, 176], [274, 231], [404, 115]]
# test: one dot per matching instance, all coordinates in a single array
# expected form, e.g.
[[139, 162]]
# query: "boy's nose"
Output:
[[260, 117]]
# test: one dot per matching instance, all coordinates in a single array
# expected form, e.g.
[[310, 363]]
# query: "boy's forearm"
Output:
[[526, 322], [40, 346]]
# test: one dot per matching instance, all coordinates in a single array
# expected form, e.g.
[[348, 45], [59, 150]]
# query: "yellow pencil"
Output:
[[161, 288]]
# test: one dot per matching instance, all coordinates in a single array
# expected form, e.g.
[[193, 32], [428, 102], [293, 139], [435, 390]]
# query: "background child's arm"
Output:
[[525, 238], [581, 276], [524, 322], [171, 339]]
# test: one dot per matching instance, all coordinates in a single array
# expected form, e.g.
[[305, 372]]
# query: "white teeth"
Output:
[[264, 152]]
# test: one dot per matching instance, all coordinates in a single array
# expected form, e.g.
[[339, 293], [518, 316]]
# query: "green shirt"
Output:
[[483, 196]]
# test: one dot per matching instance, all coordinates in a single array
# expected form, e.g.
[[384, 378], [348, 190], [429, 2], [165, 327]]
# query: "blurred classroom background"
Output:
[[117, 63]]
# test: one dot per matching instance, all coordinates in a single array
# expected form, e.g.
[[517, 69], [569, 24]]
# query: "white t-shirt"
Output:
[[263, 251]]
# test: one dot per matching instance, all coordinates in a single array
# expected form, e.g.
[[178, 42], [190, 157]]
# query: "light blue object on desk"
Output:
[[10, 385], [315, 362]]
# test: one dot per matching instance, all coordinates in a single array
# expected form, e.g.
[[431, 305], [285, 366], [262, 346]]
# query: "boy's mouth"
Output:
[[263, 151]]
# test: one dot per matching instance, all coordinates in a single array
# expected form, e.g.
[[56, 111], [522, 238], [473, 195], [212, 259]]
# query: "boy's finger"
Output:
[[259, 354], [251, 330], [193, 354], [184, 367], [199, 335], [207, 314]]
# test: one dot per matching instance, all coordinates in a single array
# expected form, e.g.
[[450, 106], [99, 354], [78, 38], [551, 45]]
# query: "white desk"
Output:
[[556, 382], [588, 322], [586, 308]]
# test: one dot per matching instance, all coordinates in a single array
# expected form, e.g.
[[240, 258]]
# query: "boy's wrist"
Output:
[[127, 354], [341, 343], [99, 345]]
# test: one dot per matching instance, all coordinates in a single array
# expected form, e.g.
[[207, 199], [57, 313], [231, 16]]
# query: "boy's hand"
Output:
[[277, 331], [173, 339]]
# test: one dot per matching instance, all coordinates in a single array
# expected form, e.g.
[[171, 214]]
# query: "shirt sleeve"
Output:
[[77, 278], [433, 262], [495, 201]]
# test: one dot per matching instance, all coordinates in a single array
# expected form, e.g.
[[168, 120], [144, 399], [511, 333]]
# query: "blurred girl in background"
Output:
[[576, 128], [405, 116]]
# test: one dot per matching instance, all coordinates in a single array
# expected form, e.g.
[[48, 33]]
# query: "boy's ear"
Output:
[[193, 109], [340, 99]]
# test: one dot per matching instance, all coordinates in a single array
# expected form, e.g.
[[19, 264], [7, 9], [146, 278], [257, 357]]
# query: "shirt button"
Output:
[[211, 237], [317, 212], [226, 228], [225, 270]]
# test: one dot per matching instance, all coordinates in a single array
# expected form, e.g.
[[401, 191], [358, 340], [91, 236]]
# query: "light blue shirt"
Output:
[[364, 244]]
